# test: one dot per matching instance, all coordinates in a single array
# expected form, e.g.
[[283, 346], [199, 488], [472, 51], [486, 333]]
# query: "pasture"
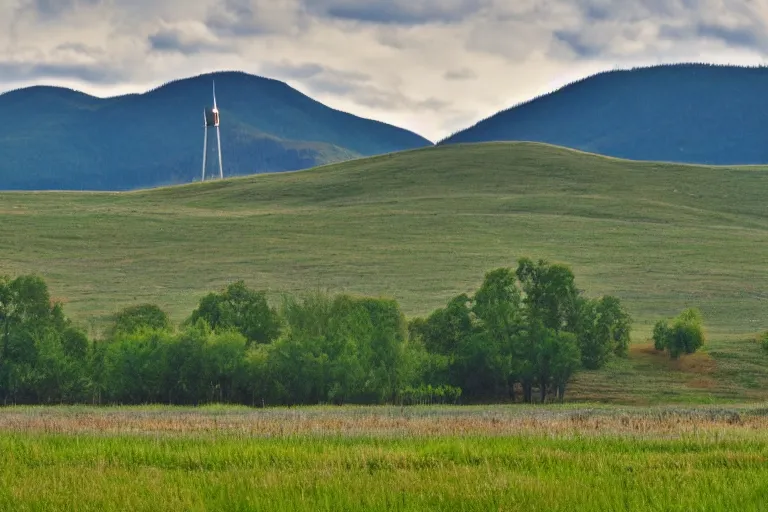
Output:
[[422, 226], [419, 226]]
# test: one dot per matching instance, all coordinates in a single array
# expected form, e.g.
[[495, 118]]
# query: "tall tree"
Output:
[[603, 329], [550, 293]]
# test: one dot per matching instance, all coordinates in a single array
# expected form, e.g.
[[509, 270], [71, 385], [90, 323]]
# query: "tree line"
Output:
[[520, 337]]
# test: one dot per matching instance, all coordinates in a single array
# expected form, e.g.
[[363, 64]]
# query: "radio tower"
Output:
[[211, 117]]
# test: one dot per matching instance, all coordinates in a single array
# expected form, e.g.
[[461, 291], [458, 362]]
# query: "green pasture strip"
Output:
[[135, 472]]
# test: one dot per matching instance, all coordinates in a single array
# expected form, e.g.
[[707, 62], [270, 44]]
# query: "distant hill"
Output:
[[66, 140], [678, 113]]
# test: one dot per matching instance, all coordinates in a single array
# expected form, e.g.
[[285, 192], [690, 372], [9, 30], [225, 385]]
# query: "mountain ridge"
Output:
[[653, 113], [69, 140]]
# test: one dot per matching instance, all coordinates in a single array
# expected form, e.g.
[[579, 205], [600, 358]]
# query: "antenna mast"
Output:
[[212, 120]]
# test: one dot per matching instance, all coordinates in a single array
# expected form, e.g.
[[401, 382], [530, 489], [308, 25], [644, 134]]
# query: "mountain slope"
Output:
[[679, 113], [62, 139]]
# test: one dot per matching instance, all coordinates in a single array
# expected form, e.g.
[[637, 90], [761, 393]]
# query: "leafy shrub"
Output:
[[135, 318], [683, 334]]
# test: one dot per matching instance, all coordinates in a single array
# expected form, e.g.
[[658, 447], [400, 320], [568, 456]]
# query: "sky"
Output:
[[431, 66]]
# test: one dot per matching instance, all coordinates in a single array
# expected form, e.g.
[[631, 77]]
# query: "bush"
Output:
[[135, 318], [683, 334], [242, 309]]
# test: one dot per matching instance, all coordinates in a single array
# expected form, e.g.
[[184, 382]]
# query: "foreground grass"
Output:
[[518, 458]]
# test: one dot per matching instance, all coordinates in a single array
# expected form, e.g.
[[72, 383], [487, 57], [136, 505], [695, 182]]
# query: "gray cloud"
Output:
[[54, 9], [577, 43], [240, 18], [460, 74], [427, 65], [357, 86], [319, 78], [175, 40], [745, 36], [81, 49], [97, 74], [405, 12]]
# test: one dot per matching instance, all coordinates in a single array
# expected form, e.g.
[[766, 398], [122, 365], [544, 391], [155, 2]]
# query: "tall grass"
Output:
[[596, 464]]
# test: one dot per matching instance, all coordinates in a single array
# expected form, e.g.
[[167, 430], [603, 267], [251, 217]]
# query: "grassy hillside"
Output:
[[419, 226], [424, 225], [66, 140], [695, 113]]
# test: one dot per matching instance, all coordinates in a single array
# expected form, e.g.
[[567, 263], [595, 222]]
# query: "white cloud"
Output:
[[433, 66]]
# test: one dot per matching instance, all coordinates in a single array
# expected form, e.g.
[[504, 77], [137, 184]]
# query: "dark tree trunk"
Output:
[[527, 391]]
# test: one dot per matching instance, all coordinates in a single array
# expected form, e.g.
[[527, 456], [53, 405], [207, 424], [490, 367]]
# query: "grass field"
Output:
[[422, 226], [383, 458]]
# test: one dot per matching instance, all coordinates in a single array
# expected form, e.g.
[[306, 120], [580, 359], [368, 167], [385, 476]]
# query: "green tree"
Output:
[[683, 334], [42, 355], [240, 308], [603, 329], [445, 329], [661, 334], [143, 316], [550, 293], [224, 357]]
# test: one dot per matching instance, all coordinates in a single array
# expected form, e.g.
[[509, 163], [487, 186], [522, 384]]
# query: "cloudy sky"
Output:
[[432, 66]]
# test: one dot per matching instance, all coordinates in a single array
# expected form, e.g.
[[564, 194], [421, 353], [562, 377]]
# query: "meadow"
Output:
[[422, 226], [419, 226], [384, 458]]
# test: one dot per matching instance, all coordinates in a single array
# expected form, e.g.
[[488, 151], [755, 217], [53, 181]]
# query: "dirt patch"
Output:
[[700, 363], [645, 349], [702, 383]]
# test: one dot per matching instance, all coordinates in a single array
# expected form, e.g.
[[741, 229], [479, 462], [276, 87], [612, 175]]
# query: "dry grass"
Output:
[[388, 421], [554, 458]]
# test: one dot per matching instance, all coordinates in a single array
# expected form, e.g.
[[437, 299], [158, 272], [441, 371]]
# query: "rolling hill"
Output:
[[62, 139], [676, 113], [424, 225]]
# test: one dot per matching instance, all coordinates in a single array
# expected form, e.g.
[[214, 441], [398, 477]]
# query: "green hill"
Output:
[[422, 226]]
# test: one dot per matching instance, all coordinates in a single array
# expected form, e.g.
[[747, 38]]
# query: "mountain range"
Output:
[[67, 140], [687, 113]]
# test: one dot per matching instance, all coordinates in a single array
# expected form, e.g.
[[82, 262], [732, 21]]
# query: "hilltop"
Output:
[[694, 113], [66, 140]]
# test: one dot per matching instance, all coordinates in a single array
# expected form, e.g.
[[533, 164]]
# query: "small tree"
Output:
[[242, 309], [684, 334], [135, 318], [661, 333]]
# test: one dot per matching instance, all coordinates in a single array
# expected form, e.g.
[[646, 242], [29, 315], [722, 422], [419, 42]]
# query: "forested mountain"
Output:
[[693, 113], [54, 138]]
